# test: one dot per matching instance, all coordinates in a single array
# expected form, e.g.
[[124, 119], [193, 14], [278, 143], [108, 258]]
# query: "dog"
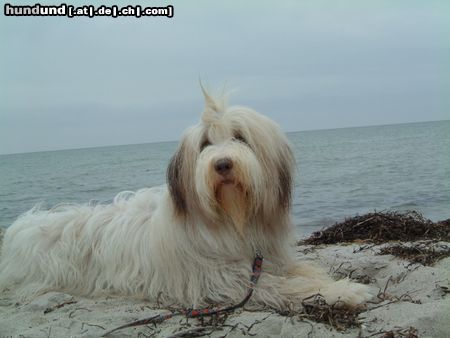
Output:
[[192, 242]]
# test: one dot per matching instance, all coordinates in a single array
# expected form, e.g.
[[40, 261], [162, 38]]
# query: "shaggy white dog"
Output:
[[229, 195]]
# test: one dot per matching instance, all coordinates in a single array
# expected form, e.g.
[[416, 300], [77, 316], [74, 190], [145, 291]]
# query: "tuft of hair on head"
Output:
[[215, 106]]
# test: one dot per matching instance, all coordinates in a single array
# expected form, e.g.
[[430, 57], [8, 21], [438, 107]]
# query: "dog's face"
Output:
[[234, 167]]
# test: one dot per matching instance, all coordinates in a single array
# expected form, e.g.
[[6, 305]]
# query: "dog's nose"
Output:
[[223, 166]]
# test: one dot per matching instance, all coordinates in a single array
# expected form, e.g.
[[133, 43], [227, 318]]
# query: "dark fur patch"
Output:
[[204, 142], [285, 178], [285, 186], [175, 182]]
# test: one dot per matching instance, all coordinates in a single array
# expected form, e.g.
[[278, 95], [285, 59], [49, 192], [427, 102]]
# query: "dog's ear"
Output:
[[176, 182], [285, 179]]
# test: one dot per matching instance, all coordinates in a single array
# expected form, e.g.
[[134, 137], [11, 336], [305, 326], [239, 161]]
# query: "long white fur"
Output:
[[190, 244]]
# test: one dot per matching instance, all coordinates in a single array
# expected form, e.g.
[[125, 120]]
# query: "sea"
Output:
[[340, 173]]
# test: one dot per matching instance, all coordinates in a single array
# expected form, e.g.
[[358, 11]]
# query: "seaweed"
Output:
[[381, 227], [419, 253], [410, 332], [338, 316]]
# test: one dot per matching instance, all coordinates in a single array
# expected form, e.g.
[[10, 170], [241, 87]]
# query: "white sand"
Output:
[[423, 305]]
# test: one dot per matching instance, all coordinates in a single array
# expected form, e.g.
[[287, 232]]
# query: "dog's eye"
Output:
[[204, 144], [240, 138]]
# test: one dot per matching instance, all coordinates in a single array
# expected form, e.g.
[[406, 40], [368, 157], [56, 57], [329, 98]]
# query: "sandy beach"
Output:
[[412, 301]]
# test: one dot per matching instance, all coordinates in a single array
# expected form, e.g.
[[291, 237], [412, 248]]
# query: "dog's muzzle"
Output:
[[223, 166]]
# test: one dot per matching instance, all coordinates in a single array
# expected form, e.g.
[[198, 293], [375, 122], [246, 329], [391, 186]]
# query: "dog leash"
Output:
[[199, 313]]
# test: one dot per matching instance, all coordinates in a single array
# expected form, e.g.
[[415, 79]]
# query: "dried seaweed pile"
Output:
[[380, 227]]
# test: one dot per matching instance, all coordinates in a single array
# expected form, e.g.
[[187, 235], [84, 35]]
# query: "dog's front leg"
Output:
[[303, 281], [306, 280]]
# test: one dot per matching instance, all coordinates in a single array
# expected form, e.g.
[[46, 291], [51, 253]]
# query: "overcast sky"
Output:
[[74, 83]]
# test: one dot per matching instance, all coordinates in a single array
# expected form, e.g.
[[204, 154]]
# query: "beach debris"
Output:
[[199, 331], [338, 316], [419, 253], [60, 305], [381, 227], [410, 332]]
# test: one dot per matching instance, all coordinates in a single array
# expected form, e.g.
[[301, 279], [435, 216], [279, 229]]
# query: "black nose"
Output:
[[223, 166]]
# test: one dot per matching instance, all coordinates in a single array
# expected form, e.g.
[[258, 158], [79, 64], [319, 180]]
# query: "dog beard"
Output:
[[233, 201]]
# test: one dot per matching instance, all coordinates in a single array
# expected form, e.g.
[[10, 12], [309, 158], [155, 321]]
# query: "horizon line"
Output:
[[170, 141]]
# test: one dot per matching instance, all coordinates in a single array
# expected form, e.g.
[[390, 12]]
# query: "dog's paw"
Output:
[[346, 292]]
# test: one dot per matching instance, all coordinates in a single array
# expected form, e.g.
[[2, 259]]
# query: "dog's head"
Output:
[[234, 167]]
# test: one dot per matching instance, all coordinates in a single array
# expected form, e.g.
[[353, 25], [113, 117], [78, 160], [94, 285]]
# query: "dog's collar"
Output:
[[256, 268]]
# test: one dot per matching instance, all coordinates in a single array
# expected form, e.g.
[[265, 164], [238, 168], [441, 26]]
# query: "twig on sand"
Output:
[[88, 324], [79, 308], [385, 288], [410, 332], [58, 306], [232, 328], [195, 332], [256, 322], [45, 331]]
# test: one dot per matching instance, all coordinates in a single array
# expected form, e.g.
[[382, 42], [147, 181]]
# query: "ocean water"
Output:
[[341, 173]]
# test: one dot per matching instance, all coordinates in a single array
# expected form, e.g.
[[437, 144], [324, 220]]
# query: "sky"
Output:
[[85, 82]]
